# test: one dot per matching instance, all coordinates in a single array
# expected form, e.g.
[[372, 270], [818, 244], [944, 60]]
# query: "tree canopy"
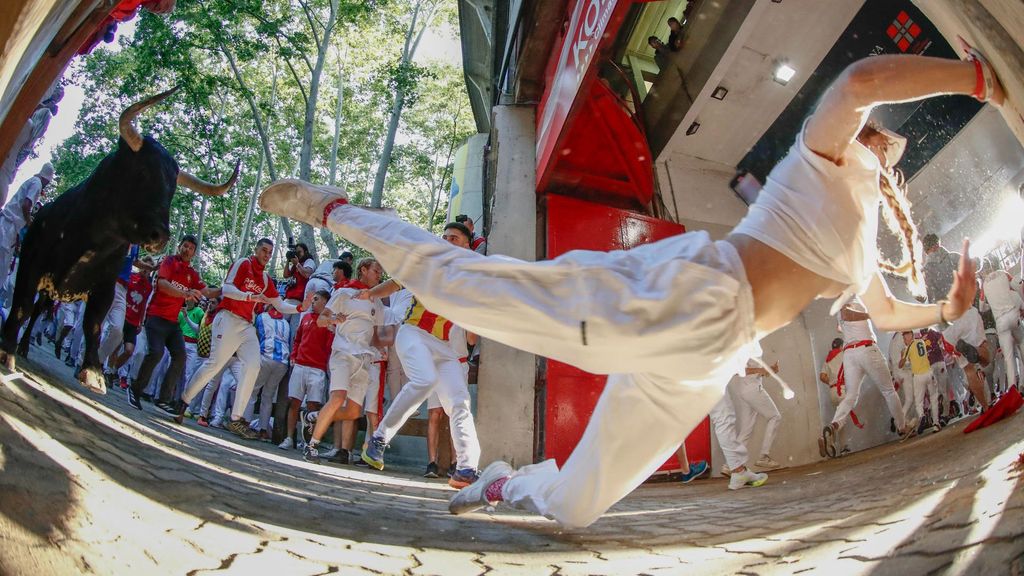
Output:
[[299, 88]]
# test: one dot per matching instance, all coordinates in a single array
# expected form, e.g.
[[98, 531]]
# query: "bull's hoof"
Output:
[[92, 378], [300, 200]]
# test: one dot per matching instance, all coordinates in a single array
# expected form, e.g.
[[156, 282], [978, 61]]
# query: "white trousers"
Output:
[[750, 400], [681, 307], [114, 322], [231, 335], [221, 386], [723, 418], [867, 361], [925, 383], [271, 373], [906, 379], [8, 236], [432, 365], [1011, 342], [639, 422]]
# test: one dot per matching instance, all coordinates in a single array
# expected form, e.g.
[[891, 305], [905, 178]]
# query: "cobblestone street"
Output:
[[90, 485]]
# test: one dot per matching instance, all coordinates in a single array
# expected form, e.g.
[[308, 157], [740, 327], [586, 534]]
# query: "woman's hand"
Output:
[[965, 286]]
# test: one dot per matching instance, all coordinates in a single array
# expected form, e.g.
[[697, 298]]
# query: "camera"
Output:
[[292, 252]]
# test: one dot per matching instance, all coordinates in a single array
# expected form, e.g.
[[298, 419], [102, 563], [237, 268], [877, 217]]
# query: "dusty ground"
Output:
[[89, 485]]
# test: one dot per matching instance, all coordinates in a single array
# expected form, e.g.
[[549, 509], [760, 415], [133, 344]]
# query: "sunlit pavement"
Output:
[[90, 485]]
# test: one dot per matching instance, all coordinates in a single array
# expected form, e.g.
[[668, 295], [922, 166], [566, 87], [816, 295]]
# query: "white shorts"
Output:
[[349, 373], [306, 382], [372, 402]]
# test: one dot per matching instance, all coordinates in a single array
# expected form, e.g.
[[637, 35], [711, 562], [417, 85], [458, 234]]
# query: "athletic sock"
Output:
[[493, 492]]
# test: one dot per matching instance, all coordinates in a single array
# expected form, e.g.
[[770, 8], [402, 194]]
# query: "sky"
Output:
[[437, 44]]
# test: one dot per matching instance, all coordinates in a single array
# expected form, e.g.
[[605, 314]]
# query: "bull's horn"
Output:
[[130, 135], [205, 188]]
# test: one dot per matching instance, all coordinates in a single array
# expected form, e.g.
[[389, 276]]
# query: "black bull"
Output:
[[76, 245]]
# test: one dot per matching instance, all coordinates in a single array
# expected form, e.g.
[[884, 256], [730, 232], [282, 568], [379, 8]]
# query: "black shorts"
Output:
[[130, 333]]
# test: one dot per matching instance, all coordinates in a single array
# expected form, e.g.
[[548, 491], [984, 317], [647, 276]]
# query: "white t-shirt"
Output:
[[353, 336], [29, 190], [857, 330], [821, 215], [1000, 294]]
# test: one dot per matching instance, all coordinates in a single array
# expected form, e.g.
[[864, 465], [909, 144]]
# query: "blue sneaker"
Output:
[[463, 477], [697, 469], [374, 453]]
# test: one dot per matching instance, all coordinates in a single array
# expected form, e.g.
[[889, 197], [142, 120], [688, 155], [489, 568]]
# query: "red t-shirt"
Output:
[[248, 275], [298, 290], [182, 276], [312, 346], [139, 288]]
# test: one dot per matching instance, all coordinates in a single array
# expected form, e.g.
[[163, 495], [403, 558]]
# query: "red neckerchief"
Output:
[[356, 284], [256, 266]]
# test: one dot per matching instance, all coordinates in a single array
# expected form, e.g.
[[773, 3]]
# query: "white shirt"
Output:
[[29, 190], [1000, 294], [821, 215], [353, 336], [857, 330]]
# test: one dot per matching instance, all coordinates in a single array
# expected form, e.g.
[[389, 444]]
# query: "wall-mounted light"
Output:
[[719, 93], [693, 129], [784, 73]]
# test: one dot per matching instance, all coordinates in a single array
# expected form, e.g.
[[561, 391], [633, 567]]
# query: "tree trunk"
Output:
[[260, 128], [408, 52], [243, 241]]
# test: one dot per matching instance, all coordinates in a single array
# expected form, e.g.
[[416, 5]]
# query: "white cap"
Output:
[[47, 171]]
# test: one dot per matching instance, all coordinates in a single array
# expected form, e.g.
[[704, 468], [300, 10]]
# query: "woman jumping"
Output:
[[672, 321]]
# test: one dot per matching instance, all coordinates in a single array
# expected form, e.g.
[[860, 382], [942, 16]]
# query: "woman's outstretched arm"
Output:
[[883, 79]]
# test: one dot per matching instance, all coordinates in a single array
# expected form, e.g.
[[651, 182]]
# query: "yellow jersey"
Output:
[[917, 355]]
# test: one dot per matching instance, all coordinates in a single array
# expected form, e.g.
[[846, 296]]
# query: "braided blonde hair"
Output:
[[897, 218]]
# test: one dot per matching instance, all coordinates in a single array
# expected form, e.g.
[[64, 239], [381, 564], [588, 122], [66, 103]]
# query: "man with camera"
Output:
[[297, 269]]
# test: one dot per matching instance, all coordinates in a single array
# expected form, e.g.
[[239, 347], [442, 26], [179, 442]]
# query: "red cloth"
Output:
[[356, 284], [139, 288], [312, 346], [124, 11], [1006, 406], [182, 276], [248, 275]]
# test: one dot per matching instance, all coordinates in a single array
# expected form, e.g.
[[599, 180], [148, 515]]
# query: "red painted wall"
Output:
[[571, 393]]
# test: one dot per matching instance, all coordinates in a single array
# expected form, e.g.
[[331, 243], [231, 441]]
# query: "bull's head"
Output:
[[145, 176]]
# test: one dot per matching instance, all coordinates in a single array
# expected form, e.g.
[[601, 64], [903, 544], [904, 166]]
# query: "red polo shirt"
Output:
[[248, 275], [312, 346], [182, 276]]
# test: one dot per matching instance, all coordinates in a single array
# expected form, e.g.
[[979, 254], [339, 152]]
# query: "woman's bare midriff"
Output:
[[781, 288]]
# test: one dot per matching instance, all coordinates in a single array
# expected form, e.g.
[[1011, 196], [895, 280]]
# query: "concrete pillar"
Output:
[[505, 396]]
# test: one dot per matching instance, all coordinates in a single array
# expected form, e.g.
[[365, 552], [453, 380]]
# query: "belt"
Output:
[[464, 359], [859, 344]]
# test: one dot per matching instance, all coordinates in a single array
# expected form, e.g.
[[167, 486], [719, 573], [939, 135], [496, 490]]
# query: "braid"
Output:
[[897, 217]]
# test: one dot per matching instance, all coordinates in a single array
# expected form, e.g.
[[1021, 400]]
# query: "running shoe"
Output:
[[202, 421], [341, 457], [287, 444], [747, 478], [697, 469], [330, 453], [474, 496], [726, 471], [241, 428], [134, 400], [935, 428], [767, 463], [463, 478], [373, 454], [311, 454], [432, 471]]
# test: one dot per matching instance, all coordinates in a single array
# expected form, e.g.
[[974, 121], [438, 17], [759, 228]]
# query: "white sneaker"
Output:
[[767, 463], [288, 444], [299, 200], [747, 478], [726, 471], [474, 496], [217, 423], [328, 453]]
